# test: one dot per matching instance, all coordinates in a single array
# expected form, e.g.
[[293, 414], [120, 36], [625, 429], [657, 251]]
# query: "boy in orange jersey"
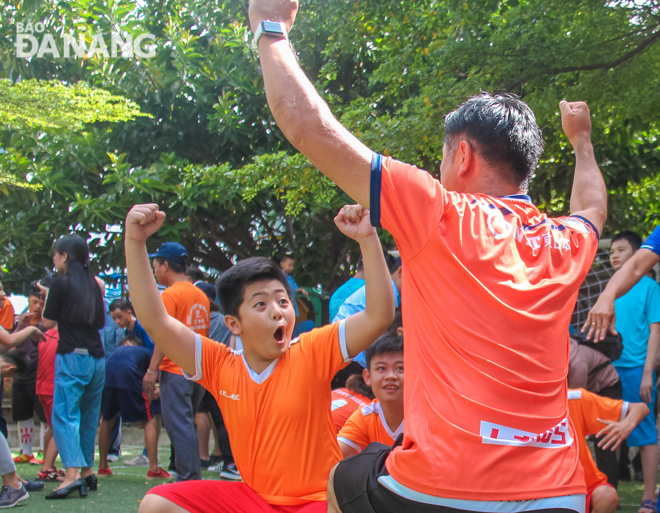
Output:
[[275, 393], [382, 420], [345, 401], [611, 421]]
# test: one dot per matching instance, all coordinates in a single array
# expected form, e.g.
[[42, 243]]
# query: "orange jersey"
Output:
[[585, 409], [368, 425], [344, 403], [191, 306], [7, 315], [488, 287], [279, 422]]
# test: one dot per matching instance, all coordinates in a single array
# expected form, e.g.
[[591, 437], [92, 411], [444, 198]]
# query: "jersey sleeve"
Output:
[[325, 349], [170, 302], [355, 433], [210, 358], [597, 407], [653, 242], [408, 202]]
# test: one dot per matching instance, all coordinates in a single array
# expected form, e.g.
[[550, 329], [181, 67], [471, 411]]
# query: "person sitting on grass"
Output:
[[123, 394], [382, 420], [275, 394], [14, 488], [611, 421]]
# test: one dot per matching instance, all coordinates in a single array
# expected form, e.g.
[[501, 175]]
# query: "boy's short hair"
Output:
[[398, 322], [287, 257], [355, 383], [394, 266], [232, 283], [121, 304], [133, 340], [195, 274], [633, 238], [387, 343], [175, 267], [18, 359]]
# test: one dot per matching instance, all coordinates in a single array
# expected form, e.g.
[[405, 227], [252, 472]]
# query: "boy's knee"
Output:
[[333, 506], [156, 504], [604, 499]]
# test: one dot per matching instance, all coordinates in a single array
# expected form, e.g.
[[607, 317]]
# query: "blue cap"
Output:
[[207, 289], [171, 251]]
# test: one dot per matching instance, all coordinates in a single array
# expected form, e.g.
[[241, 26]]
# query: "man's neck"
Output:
[[177, 278], [393, 414], [131, 325]]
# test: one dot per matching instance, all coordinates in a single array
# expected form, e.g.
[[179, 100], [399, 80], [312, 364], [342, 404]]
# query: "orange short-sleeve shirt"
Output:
[[7, 315], [279, 422], [488, 287], [344, 403], [191, 306], [368, 425], [585, 409]]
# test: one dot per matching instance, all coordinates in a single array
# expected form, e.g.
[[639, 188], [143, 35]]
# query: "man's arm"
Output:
[[616, 432], [363, 328], [168, 334], [602, 314], [149, 380], [300, 112], [346, 450], [12, 340], [589, 195], [651, 356]]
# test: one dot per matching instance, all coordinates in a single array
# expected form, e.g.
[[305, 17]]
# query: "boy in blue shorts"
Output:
[[638, 321], [123, 394]]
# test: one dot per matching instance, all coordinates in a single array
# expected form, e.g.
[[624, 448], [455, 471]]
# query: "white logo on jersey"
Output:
[[233, 397], [554, 438], [338, 403]]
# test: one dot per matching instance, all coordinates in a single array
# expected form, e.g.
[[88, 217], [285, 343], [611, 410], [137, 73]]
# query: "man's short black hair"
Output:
[[287, 257], [394, 266], [503, 130], [398, 322], [387, 343], [133, 340], [195, 274], [633, 238], [18, 359], [121, 304], [232, 283], [175, 267]]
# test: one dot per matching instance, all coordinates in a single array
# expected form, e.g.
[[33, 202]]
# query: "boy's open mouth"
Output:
[[279, 334]]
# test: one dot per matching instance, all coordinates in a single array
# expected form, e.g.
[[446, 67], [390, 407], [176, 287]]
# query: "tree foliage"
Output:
[[211, 155]]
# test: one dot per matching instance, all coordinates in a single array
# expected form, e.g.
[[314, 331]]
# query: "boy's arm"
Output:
[[149, 380], [168, 334], [363, 328], [651, 356], [12, 340], [589, 195], [346, 450], [616, 432], [602, 314], [300, 112]]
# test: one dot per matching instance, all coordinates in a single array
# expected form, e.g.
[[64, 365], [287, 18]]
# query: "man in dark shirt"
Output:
[[23, 398]]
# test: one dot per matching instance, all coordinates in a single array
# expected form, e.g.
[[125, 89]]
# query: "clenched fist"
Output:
[[143, 221], [576, 121]]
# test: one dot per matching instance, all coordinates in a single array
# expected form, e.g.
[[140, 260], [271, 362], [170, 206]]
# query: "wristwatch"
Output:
[[269, 28]]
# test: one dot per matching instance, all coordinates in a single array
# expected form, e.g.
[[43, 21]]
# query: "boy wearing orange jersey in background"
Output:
[[382, 420], [611, 421], [275, 393]]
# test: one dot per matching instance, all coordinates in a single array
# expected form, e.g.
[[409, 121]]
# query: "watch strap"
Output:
[[262, 31]]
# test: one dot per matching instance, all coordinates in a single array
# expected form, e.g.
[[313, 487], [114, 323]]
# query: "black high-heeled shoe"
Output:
[[92, 483], [63, 493]]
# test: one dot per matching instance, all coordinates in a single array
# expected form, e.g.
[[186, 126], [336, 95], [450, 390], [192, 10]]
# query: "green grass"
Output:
[[119, 493], [123, 491]]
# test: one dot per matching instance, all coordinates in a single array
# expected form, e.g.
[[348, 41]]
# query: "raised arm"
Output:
[[169, 335], [300, 112], [363, 328], [589, 195], [602, 314]]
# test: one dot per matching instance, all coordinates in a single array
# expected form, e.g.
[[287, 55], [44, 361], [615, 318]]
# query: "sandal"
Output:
[[50, 476], [648, 506]]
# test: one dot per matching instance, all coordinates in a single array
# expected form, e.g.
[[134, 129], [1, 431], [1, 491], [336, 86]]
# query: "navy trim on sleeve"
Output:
[[375, 188], [653, 242], [589, 223]]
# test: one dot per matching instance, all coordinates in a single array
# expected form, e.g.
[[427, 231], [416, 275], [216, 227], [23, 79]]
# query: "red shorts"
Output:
[[590, 492], [226, 497], [47, 404]]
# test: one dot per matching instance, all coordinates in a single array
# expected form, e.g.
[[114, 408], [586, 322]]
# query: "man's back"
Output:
[[126, 367], [491, 281]]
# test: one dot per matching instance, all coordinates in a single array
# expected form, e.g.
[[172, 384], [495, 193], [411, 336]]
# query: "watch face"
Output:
[[273, 27]]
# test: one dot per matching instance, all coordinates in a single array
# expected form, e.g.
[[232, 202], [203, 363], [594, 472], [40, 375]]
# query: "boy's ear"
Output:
[[367, 377], [234, 324]]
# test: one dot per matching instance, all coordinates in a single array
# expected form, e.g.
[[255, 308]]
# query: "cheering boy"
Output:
[[275, 393]]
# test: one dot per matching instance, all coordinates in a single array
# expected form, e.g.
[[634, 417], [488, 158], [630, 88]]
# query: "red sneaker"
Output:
[[23, 458], [159, 474], [105, 472]]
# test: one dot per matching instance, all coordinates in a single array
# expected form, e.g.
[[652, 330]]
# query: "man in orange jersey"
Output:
[[611, 421], [382, 420], [346, 400], [488, 283], [275, 393], [180, 397]]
